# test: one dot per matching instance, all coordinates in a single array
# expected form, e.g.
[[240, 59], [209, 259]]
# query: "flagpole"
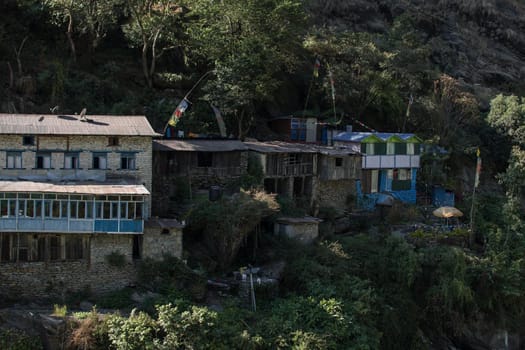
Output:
[[188, 94], [315, 74], [333, 88]]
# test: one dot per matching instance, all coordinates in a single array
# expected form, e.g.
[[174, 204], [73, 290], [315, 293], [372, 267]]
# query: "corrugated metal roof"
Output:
[[285, 147], [201, 145], [40, 124], [280, 147], [334, 152], [72, 188], [299, 220], [360, 136]]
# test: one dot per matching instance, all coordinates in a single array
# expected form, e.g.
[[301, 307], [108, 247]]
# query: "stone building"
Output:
[[194, 163], [339, 170], [74, 197]]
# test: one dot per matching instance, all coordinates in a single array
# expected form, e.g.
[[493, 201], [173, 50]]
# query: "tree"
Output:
[[92, 18], [152, 29], [454, 112], [359, 68], [250, 45], [225, 224], [507, 116]]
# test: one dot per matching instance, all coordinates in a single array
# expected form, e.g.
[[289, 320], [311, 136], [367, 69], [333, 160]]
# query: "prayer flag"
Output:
[[317, 65], [181, 108], [478, 168]]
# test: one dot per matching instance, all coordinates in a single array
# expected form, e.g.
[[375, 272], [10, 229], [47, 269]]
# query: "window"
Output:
[[400, 174], [100, 161], [43, 161], [411, 148], [401, 148], [21, 250], [5, 246], [55, 248], [28, 140], [293, 159], [127, 161], [204, 159], [8, 207], [338, 161], [71, 161], [14, 160], [401, 179], [113, 141], [378, 148], [74, 248]]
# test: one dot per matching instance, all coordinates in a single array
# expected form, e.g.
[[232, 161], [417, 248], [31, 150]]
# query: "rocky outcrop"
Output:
[[480, 42]]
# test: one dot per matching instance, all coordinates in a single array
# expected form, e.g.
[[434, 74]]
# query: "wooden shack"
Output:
[[194, 163], [289, 169]]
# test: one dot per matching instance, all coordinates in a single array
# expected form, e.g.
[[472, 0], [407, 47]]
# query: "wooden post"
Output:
[[472, 233]]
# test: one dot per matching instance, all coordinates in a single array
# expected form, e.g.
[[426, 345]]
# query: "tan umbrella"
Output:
[[447, 212]]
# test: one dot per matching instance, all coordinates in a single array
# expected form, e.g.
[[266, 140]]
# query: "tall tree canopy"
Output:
[[249, 45]]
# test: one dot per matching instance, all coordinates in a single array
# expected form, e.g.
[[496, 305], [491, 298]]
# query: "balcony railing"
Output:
[[9, 224], [290, 170], [216, 171], [390, 161]]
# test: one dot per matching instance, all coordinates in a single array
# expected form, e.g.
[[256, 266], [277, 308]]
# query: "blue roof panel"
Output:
[[360, 136]]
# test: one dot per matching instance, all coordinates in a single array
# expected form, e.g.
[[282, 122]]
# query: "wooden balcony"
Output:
[[216, 171], [287, 170]]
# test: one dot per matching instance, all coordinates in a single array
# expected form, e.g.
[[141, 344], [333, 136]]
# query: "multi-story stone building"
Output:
[[74, 197]]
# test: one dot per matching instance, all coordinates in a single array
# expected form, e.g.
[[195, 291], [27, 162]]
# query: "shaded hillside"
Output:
[[479, 42]]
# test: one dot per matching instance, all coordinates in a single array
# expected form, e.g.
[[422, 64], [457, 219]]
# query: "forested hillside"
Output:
[[449, 71]]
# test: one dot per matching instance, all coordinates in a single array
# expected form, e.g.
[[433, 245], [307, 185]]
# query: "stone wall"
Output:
[[304, 230], [25, 280], [156, 243], [335, 193]]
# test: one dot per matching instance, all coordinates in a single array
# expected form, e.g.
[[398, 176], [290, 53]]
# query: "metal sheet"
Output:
[[110, 125], [72, 188]]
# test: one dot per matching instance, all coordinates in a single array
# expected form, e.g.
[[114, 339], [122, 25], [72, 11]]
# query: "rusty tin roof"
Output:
[[46, 124]]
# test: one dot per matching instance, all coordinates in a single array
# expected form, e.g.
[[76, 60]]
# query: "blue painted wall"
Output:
[[368, 201], [441, 197]]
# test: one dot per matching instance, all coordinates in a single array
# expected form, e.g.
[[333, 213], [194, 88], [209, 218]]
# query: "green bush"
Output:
[[138, 331], [12, 339], [170, 274]]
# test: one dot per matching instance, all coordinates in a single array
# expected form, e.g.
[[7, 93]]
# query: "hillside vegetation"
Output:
[[450, 71]]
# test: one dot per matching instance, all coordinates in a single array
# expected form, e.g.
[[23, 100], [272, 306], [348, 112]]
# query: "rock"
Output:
[[86, 305], [342, 225]]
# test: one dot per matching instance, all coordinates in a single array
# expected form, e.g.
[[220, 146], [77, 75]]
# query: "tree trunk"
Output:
[[18, 52], [153, 56], [69, 34], [145, 69]]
